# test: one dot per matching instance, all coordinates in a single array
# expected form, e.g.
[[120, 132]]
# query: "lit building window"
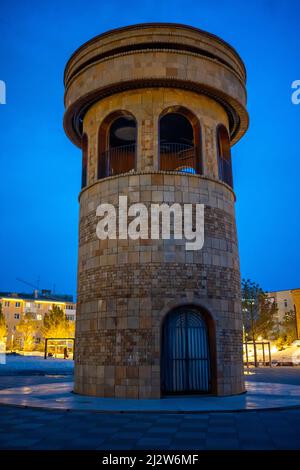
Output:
[[39, 316]]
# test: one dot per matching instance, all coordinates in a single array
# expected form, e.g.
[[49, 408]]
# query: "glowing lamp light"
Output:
[[125, 133], [185, 169]]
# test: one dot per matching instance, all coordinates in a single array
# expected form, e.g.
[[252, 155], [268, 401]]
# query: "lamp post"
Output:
[[296, 324]]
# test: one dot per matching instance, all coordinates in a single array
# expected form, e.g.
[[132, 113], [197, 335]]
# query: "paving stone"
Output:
[[222, 444], [258, 430]]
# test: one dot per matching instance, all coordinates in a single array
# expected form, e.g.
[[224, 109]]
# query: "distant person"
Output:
[[66, 355]]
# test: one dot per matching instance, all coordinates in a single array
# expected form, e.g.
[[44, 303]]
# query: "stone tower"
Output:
[[155, 109]]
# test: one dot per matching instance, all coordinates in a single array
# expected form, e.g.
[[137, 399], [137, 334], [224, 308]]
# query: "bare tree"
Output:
[[258, 313]]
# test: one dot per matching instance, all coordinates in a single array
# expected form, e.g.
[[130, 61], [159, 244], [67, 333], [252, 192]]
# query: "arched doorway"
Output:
[[179, 141], [185, 360], [117, 144]]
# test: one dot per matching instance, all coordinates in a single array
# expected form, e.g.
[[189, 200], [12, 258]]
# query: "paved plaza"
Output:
[[28, 428], [60, 396], [37, 429]]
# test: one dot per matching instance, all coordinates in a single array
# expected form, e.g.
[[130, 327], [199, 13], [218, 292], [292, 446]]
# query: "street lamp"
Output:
[[251, 302]]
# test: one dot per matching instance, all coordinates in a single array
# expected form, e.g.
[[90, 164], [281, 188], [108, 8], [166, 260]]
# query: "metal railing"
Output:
[[117, 160], [225, 170], [173, 157], [179, 157]]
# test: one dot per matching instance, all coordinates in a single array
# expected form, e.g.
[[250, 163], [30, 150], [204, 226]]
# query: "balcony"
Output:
[[117, 160], [179, 157], [173, 157]]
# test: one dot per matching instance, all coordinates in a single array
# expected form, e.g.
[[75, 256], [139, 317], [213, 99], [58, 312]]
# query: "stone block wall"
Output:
[[126, 287], [147, 106]]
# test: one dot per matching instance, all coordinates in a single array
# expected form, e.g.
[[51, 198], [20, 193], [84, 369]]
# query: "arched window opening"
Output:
[[179, 136], [185, 361], [224, 155], [84, 147], [117, 145]]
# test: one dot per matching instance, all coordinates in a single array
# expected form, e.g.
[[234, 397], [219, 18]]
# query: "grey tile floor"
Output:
[[39, 429], [25, 428]]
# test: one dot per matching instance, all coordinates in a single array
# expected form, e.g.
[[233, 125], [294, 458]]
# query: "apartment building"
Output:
[[286, 300], [16, 305]]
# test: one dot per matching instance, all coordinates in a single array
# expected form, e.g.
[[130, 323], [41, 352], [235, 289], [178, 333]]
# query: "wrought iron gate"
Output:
[[185, 364]]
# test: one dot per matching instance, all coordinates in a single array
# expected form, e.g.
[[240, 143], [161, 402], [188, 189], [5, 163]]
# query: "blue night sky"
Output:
[[40, 167]]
